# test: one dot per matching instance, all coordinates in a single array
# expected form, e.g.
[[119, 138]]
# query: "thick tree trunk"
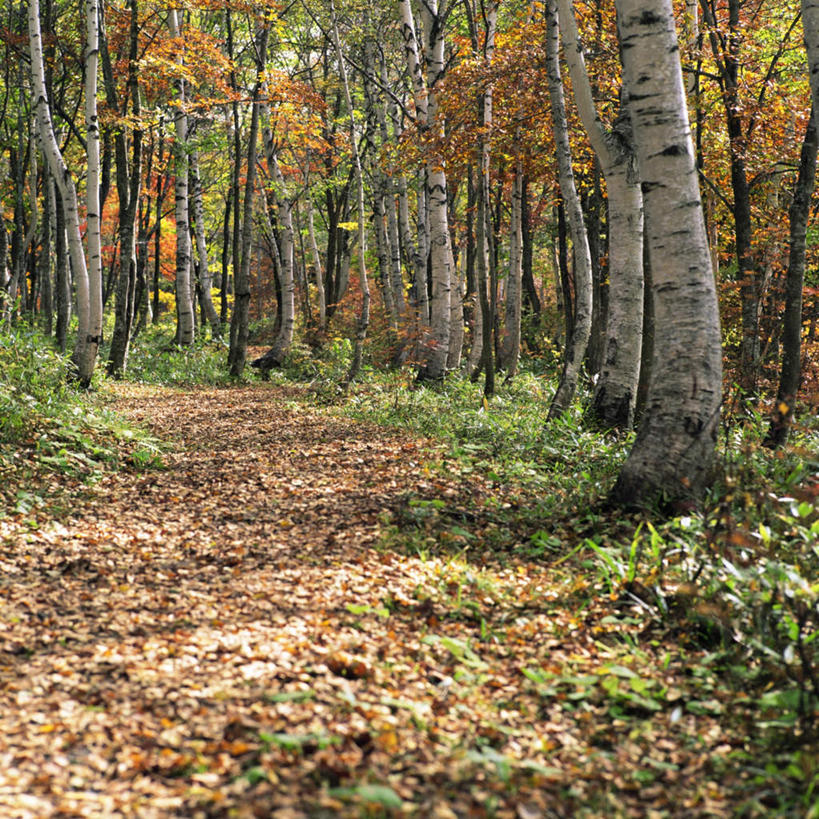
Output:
[[673, 453], [576, 345], [128, 190], [434, 350], [792, 320]]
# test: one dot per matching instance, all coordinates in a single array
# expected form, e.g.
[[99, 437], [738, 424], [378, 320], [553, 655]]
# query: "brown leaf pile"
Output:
[[233, 636]]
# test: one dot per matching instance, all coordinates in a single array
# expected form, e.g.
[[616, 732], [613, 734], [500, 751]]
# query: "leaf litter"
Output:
[[249, 632]]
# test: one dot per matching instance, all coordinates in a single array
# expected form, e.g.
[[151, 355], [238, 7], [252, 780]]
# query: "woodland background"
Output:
[[477, 629]]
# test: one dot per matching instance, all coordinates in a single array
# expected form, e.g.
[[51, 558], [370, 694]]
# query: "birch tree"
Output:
[[581, 328], [435, 348], [88, 290], [810, 25], [616, 388], [184, 301], [205, 277], [673, 454], [364, 316], [275, 356], [237, 352]]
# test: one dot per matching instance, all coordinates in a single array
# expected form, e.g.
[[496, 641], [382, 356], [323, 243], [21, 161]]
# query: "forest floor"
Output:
[[264, 627]]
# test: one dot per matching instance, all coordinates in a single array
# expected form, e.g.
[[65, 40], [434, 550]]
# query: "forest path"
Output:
[[238, 635]]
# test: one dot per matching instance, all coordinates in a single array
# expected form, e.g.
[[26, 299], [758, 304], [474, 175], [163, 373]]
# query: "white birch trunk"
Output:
[[510, 346], [673, 454], [616, 388], [576, 346], [205, 278], [317, 264], [284, 204], [93, 215], [184, 302], [434, 349], [68, 192]]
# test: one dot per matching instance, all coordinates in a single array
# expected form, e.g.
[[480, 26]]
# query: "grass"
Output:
[[52, 434]]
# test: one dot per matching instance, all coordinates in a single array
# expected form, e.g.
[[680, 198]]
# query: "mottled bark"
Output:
[[576, 344], [85, 350], [205, 277], [616, 389], [184, 302], [673, 453], [237, 353]]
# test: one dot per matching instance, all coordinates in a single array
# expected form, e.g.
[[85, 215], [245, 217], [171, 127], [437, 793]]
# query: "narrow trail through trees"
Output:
[[241, 634]]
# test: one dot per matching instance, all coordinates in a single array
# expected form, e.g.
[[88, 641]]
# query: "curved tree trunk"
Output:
[[616, 388], [84, 354], [673, 453], [579, 339]]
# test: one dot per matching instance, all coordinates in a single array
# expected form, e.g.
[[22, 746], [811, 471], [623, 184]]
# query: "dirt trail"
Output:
[[231, 636]]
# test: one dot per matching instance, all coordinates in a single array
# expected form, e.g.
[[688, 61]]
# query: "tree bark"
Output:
[[576, 345], [205, 277], [673, 454], [85, 349], [184, 302], [237, 353], [128, 189], [792, 320], [616, 388], [276, 355]]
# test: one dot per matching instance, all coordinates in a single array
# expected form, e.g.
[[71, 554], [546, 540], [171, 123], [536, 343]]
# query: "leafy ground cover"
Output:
[[305, 614]]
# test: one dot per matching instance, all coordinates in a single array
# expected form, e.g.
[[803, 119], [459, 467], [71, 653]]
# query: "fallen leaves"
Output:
[[235, 635]]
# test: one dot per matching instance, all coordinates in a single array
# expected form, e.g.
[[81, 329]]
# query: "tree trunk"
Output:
[[128, 190], [616, 388], [85, 350], [237, 353], [792, 320], [434, 350], [576, 345], [364, 316], [319, 272], [510, 347], [276, 355], [205, 278], [184, 302], [673, 453]]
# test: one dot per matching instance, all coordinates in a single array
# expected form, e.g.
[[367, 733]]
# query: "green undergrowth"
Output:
[[730, 586], [154, 358], [53, 435]]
